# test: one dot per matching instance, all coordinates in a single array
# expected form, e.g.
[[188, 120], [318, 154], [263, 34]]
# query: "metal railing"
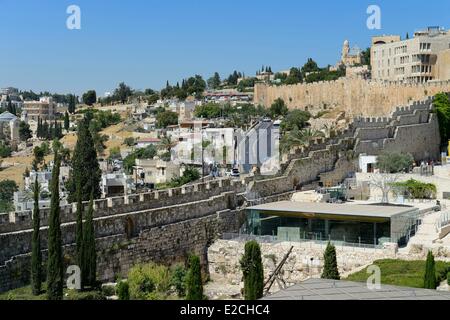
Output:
[[240, 237]]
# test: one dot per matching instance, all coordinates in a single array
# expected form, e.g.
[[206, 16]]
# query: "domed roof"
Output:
[[346, 43]]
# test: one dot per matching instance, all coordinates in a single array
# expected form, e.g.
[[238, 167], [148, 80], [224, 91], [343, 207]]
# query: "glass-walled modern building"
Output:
[[351, 223]]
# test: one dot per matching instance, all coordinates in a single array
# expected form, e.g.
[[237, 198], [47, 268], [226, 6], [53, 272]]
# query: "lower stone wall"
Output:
[[224, 256], [167, 244]]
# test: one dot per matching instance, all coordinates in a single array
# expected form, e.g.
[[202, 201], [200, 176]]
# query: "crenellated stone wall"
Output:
[[354, 96]]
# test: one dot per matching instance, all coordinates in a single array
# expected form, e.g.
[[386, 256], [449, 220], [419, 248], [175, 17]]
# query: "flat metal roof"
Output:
[[357, 210], [324, 289]]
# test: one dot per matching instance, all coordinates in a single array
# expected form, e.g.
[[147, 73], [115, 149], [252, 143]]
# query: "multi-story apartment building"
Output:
[[44, 108], [423, 58]]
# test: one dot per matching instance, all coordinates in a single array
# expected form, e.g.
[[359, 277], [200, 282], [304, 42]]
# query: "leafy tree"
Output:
[[310, 66], [55, 275], [122, 92], [39, 154], [90, 97], [441, 104], [214, 82], [252, 269], [148, 152], [416, 189], [166, 118], [24, 131], [7, 189], [394, 162], [66, 121], [5, 150], [295, 76], [85, 164], [429, 281], [330, 268], [295, 119], [36, 254], [278, 108], [194, 285], [130, 141], [190, 174], [89, 255]]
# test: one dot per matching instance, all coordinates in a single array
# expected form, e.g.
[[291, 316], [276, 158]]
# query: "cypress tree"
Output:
[[252, 269], [36, 254], [430, 272], [79, 226], [194, 286], [89, 255], [85, 167], [66, 121], [330, 269], [55, 261]]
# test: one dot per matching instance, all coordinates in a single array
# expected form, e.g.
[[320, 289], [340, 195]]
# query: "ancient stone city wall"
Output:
[[354, 96]]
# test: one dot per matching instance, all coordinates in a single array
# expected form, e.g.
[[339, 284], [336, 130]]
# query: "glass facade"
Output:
[[292, 227]]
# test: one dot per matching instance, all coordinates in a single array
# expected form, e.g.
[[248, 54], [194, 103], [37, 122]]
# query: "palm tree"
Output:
[[298, 138], [166, 144]]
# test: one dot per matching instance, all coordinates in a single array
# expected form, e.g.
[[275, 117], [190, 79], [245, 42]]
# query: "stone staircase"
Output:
[[426, 234]]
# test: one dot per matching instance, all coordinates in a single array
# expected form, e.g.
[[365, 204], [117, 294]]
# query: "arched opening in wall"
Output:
[[129, 228]]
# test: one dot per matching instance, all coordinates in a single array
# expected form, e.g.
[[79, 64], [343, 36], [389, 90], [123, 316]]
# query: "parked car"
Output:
[[235, 173]]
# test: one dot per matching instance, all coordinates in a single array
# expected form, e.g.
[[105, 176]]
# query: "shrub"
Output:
[[417, 189], [123, 290], [85, 295], [108, 290], [178, 280], [149, 282]]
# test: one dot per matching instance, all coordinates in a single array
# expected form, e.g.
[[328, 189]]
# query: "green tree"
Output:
[[310, 66], [394, 162], [278, 108], [123, 290], [85, 164], [441, 104], [24, 131], [72, 103], [55, 259], [429, 281], [166, 118], [36, 254], [214, 81], [39, 154], [66, 121], [90, 97], [295, 119], [7, 189], [252, 269], [79, 225], [194, 285], [330, 268], [89, 255], [122, 92], [5, 150]]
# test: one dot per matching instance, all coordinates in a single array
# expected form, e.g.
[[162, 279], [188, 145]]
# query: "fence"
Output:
[[444, 220], [240, 237]]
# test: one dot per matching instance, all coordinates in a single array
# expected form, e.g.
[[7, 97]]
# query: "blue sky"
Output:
[[146, 42]]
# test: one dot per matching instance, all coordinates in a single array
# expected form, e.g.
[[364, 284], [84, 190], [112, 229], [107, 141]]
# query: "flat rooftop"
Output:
[[324, 289], [346, 209]]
